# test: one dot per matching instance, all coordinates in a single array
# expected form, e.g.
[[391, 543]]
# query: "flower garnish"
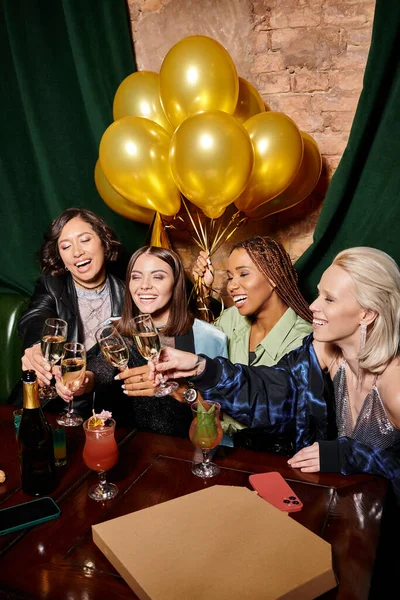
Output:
[[99, 419]]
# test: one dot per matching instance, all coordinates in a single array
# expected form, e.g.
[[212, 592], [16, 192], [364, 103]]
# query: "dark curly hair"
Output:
[[271, 258], [49, 255]]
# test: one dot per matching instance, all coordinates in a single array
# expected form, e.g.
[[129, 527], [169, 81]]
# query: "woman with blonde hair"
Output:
[[356, 322]]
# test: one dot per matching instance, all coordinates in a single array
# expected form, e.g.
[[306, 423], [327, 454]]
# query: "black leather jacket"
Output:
[[56, 297]]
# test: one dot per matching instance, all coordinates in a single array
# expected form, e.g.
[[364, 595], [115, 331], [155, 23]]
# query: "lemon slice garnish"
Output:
[[94, 422]]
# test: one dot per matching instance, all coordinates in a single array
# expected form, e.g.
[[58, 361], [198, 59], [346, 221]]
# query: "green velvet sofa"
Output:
[[11, 308]]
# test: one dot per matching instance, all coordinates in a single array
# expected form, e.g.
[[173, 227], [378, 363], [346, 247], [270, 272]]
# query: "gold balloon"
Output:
[[134, 159], [117, 203], [249, 102], [213, 212], [211, 159], [278, 152], [197, 74], [138, 96], [301, 186]]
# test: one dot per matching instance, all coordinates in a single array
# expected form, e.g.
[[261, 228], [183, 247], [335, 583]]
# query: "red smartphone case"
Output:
[[274, 489]]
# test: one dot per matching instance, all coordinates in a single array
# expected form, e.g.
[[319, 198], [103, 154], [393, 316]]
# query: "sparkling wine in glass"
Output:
[[205, 433], [54, 336], [113, 346], [73, 369], [148, 343], [101, 454]]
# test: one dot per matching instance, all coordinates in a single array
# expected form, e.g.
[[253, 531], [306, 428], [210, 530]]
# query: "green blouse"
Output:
[[286, 335]]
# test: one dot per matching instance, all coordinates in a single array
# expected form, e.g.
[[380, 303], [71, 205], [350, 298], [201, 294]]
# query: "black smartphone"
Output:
[[28, 514]]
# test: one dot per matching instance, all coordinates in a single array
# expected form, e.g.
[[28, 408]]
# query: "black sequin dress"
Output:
[[162, 415]]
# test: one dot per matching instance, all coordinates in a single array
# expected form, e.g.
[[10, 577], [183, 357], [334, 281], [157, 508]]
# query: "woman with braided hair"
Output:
[[270, 317]]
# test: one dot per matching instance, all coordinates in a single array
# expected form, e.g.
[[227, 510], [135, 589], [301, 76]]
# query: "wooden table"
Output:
[[58, 559]]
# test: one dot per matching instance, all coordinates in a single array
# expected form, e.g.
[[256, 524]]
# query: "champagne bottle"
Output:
[[35, 440]]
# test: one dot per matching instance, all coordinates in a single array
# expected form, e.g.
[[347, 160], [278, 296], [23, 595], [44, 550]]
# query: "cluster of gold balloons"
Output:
[[199, 130]]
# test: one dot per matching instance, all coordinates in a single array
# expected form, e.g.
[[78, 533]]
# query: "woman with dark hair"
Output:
[[74, 286], [270, 317], [155, 284], [170, 312]]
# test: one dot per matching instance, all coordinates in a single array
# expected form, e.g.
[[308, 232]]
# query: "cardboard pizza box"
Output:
[[221, 543]]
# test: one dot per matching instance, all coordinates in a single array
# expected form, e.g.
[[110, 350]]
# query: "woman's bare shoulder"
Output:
[[389, 390]]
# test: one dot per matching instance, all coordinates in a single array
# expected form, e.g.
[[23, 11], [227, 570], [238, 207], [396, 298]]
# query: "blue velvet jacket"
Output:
[[293, 400]]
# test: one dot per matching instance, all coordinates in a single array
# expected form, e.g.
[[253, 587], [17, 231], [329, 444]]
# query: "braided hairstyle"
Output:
[[274, 263]]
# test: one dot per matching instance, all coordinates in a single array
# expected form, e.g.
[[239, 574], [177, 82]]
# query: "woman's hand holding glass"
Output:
[[73, 371], [32, 359], [177, 364], [66, 394], [148, 343], [136, 382]]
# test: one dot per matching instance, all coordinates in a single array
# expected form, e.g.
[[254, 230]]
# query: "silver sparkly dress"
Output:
[[372, 427]]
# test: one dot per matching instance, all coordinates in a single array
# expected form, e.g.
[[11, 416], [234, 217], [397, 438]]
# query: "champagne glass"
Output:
[[113, 346], [148, 343], [73, 369], [100, 454], [54, 336], [205, 433]]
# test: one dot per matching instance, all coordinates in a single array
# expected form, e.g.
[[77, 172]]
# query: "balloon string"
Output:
[[209, 236]]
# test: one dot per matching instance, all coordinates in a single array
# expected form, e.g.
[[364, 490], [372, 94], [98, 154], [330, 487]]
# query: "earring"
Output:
[[363, 337], [66, 268]]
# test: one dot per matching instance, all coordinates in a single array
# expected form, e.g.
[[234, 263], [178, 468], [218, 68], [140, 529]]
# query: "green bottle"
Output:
[[36, 450]]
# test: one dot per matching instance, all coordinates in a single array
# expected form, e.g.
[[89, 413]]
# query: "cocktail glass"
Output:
[[205, 433], [100, 454]]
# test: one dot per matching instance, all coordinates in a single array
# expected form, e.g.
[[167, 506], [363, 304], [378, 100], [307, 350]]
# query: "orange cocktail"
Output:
[[205, 433], [100, 454], [101, 451]]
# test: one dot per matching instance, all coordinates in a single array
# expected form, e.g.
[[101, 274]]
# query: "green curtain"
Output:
[[61, 64], [362, 206]]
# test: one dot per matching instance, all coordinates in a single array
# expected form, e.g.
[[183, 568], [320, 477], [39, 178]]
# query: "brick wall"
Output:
[[305, 57]]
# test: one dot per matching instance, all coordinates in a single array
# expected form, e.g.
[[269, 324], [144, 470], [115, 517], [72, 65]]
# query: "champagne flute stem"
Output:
[[161, 382], [71, 408]]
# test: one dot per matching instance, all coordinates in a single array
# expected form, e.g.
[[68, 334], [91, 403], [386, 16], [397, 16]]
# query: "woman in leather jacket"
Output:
[[74, 286]]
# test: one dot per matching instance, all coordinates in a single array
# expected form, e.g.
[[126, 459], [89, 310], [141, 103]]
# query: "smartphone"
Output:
[[28, 514], [275, 490]]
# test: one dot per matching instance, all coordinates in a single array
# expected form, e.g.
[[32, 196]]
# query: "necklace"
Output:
[[85, 287]]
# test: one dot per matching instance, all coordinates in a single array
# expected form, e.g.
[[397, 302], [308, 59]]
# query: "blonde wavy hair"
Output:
[[376, 279]]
